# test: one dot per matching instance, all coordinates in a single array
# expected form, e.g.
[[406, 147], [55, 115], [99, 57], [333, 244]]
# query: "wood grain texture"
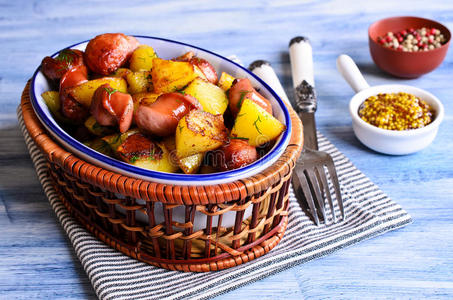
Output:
[[36, 259]]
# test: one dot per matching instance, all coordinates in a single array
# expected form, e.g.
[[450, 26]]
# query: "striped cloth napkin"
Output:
[[369, 212]]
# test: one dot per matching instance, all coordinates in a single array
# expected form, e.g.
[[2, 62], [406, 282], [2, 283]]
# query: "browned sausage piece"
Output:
[[238, 153], [138, 145], [241, 89], [70, 108], [185, 57], [162, 116], [111, 107], [205, 67], [55, 68], [107, 52]]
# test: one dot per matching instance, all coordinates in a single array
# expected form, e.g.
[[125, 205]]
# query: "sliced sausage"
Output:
[[70, 108], [236, 154], [55, 68], [107, 52], [162, 116], [185, 57], [111, 107], [139, 146], [205, 67], [241, 89]]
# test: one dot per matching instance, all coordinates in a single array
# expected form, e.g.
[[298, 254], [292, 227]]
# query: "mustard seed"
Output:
[[396, 111]]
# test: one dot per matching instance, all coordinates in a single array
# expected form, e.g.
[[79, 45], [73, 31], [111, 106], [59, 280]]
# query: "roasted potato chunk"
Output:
[[146, 98], [189, 165], [115, 140], [225, 81], [169, 76], [100, 146], [139, 82], [84, 92], [97, 129], [52, 100], [121, 72], [198, 132], [211, 97], [142, 58], [255, 124], [142, 152]]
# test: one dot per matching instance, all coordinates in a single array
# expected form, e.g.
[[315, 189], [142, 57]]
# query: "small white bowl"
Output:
[[382, 140], [391, 141]]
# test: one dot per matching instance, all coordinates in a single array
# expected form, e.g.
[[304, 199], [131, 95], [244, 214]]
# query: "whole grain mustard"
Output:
[[396, 111]]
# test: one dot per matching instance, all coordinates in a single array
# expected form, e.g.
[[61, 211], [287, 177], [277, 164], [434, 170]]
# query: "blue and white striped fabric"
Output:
[[116, 276]]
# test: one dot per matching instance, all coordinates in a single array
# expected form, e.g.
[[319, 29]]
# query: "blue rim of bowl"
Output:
[[239, 173]]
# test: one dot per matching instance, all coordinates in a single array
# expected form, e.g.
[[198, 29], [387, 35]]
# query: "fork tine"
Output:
[[302, 183], [322, 177], [317, 191], [334, 178]]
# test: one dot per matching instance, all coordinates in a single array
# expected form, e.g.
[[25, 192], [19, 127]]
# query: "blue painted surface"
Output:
[[36, 259]]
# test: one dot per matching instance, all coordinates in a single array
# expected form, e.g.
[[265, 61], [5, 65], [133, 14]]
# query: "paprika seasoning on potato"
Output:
[[396, 111]]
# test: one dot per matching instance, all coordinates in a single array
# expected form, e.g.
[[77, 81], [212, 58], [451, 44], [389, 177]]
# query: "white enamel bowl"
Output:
[[382, 140], [168, 49]]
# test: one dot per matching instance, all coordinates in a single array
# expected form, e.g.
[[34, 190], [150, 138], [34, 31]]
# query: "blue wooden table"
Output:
[[36, 258]]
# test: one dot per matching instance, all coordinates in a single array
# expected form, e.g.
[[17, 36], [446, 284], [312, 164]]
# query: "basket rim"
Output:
[[152, 191]]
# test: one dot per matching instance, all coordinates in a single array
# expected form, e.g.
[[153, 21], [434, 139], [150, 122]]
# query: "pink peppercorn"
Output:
[[413, 40]]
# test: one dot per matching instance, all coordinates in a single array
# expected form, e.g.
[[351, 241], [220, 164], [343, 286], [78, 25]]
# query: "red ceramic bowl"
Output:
[[405, 64]]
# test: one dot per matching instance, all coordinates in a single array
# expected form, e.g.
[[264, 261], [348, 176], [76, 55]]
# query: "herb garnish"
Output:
[[256, 125], [152, 153], [241, 99], [182, 92], [238, 138], [65, 56], [96, 125], [117, 139], [133, 159], [110, 91]]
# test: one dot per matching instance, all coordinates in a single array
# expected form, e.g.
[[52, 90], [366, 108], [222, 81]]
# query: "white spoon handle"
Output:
[[351, 73], [264, 70]]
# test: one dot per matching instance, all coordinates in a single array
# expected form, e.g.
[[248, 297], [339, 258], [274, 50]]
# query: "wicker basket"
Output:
[[137, 217]]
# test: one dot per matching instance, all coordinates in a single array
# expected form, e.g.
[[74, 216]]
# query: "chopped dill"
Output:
[[65, 56], [256, 125], [241, 99], [110, 91]]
